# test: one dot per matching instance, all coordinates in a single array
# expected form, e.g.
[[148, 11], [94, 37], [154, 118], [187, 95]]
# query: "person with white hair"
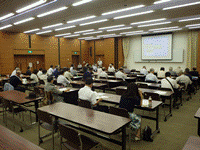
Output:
[[14, 72], [178, 70], [173, 73], [182, 78], [144, 70], [111, 68], [151, 77]]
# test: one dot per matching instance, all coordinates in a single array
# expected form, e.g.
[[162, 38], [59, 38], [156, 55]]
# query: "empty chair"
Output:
[[84, 103], [154, 96], [141, 85]]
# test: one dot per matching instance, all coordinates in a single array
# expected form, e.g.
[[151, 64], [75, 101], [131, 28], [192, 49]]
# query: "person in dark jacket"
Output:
[[88, 74], [16, 80], [28, 72]]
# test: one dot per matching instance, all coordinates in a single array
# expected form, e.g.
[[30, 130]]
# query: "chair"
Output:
[[74, 140], [164, 89], [154, 96], [120, 91], [119, 112], [45, 121], [84, 103], [49, 99], [149, 81], [41, 82], [141, 85]]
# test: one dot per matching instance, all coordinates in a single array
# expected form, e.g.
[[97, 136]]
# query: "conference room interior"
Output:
[[121, 38]]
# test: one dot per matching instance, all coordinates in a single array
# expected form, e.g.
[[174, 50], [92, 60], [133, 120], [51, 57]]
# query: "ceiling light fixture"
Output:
[[109, 27], [93, 22], [136, 33], [52, 11], [69, 27], [112, 36], [82, 38], [179, 6], [191, 19], [161, 1], [131, 32], [92, 32], [72, 36], [125, 28], [167, 30], [154, 24], [7, 26], [95, 38], [122, 10], [191, 25], [62, 34], [81, 19], [81, 2], [154, 20], [33, 30], [106, 35], [24, 20], [7, 16], [31, 6], [135, 14], [164, 28], [196, 27], [48, 31], [54, 25], [84, 31]]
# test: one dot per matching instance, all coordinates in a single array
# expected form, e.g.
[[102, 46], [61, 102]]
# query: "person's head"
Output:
[[110, 65], [132, 90], [89, 82], [162, 69], [180, 73], [40, 69], [44, 71], [90, 69], [194, 68], [17, 69], [144, 67], [187, 70], [167, 74], [103, 68], [67, 69], [18, 73], [151, 70], [35, 71], [170, 69], [51, 66], [61, 72], [50, 79], [72, 65], [28, 67], [121, 69]]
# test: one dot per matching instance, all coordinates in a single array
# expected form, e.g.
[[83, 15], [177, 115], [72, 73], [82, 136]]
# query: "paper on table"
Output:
[[161, 92], [145, 103], [63, 89]]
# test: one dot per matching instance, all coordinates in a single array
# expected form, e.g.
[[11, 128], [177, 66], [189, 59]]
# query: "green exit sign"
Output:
[[75, 52], [29, 51]]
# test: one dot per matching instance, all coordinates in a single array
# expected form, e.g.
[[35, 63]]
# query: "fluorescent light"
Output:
[[106, 35], [72, 36], [154, 20], [125, 28], [131, 32], [82, 38], [65, 28], [81, 2], [189, 19], [54, 25], [95, 38], [164, 28], [109, 27], [84, 31], [154, 24], [167, 30], [196, 27], [92, 32], [6, 16], [93, 22], [7, 26], [62, 34], [191, 25], [184, 5], [81, 19], [52, 11], [112, 36], [161, 1], [135, 14], [136, 33], [122, 10], [48, 31], [24, 20], [31, 6], [29, 31]]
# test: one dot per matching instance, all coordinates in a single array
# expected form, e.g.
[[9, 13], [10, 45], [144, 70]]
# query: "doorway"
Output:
[[75, 60]]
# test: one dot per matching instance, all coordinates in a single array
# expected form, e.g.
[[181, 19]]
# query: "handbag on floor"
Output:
[[147, 134]]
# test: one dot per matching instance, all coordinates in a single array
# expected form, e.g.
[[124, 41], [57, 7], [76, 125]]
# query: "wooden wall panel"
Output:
[[20, 40], [91, 55], [120, 53], [37, 42], [84, 51], [99, 47], [198, 60]]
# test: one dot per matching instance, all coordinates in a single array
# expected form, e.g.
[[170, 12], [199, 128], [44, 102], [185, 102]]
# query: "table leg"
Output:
[[124, 138], [199, 126], [157, 119], [36, 107]]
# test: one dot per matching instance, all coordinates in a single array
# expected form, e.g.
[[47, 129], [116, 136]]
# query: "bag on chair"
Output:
[[147, 134]]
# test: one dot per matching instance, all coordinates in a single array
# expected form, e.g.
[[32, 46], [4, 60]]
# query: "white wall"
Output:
[[180, 42]]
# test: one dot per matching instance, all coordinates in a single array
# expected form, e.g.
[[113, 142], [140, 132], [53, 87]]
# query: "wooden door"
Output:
[[75, 60]]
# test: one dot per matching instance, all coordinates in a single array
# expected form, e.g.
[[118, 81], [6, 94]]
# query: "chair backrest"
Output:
[[149, 81], [154, 96], [59, 84], [41, 82], [141, 85], [8, 87], [119, 112], [84, 103], [164, 89], [45, 117], [103, 78], [120, 91], [37, 91]]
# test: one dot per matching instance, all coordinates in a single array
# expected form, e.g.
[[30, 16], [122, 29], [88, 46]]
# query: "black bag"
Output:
[[147, 134]]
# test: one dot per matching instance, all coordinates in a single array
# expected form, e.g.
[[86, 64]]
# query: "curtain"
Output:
[[126, 48]]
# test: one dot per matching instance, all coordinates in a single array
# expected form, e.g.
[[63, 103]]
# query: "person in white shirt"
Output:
[[79, 66], [161, 73], [165, 83], [71, 68], [39, 73], [103, 73], [120, 74], [14, 72], [99, 70], [34, 77], [178, 70], [50, 71], [87, 94], [94, 67], [144, 70], [67, 74], [111, 68], [100, 63], [61, 79], [151, 77], [44, 76], [183, 79], [173, 73]]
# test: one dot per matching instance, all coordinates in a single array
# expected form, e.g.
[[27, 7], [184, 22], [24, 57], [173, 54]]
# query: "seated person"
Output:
[[194, 72], [50, 71], [14, 72], [86, 93], [161, 73], [94, 67], [34, 77], [103, 73], [56, 71], [51, 87], [126, 70], [99, 70], [72, 67], [173, 73], [28, 72], [144, 70], [74, 72], [88, 74], [16, 80], [187, 73], [62, 80], [120, 74], [44, 76], [39, 73], [151, 77], [178, 69], [79, 66], [183, 79], [128, 100], [67, 74], [168, 82], [111, 68]]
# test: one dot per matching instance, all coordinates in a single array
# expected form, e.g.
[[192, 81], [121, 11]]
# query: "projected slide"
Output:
[[158, 47]]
